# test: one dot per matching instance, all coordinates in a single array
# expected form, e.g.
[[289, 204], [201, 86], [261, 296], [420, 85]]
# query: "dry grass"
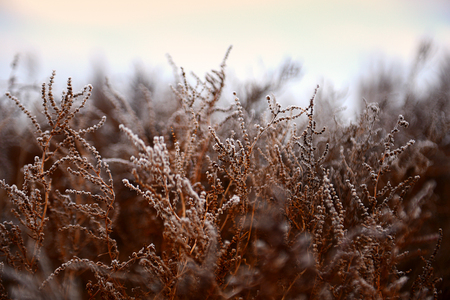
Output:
[[136, 199]]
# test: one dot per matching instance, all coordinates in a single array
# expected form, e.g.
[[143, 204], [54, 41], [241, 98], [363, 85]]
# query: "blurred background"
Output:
[[335, 41]]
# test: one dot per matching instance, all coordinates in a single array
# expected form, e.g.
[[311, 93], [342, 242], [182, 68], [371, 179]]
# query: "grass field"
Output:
[[201, 194]]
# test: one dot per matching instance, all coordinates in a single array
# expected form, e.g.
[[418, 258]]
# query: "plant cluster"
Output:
[[122, 198]]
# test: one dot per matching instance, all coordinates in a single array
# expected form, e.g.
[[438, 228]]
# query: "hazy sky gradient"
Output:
[[331, 38]]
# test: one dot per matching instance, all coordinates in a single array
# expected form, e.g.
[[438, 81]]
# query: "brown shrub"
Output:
[[196, 201]]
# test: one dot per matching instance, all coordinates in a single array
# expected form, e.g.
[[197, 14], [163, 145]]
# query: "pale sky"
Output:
[[333, 39]]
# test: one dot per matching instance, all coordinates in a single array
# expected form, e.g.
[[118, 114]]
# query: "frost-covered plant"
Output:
[[214, 199]]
